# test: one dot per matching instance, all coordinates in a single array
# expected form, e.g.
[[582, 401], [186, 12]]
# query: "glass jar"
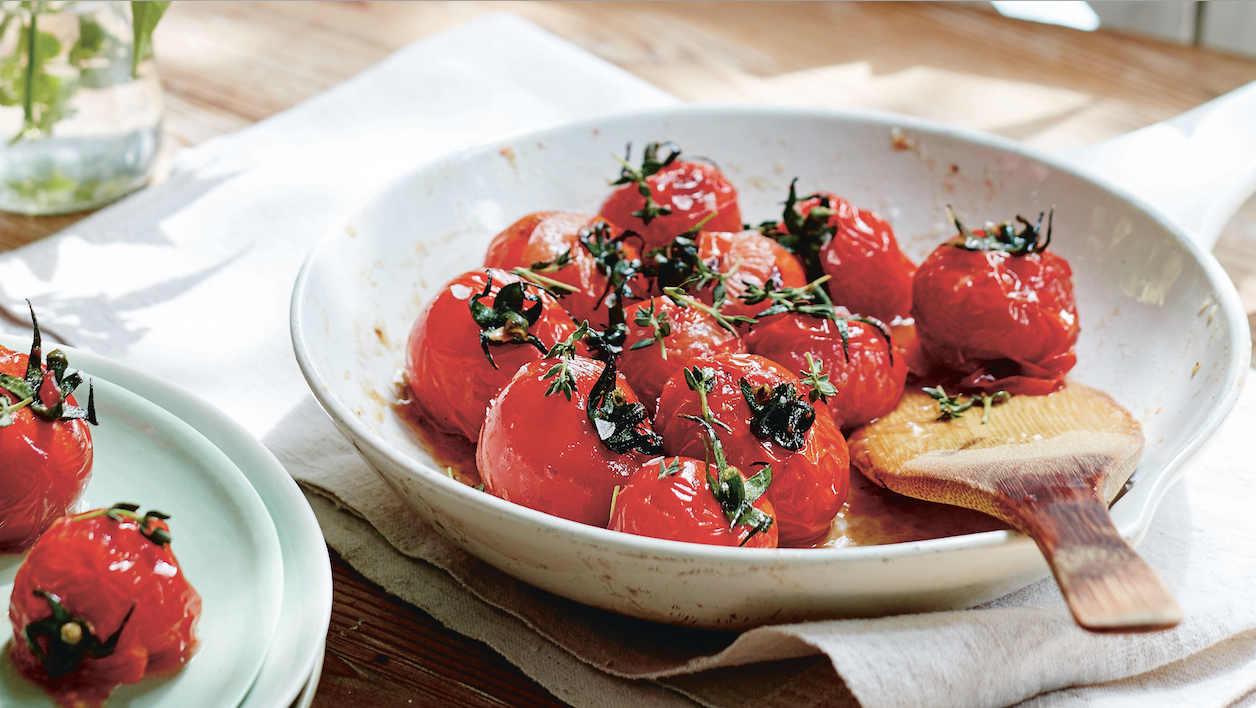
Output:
[[77, 129]]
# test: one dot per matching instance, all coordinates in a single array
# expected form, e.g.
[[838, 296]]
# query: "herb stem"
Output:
[[28, 102], [679, 297], [543, 281]]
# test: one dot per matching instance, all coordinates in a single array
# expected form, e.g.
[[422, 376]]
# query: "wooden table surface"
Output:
[[226, 65]]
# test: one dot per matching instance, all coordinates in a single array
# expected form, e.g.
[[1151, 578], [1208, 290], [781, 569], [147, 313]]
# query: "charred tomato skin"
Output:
[[44, 466], [869, 272], [1002, 321], [451, 379], [808, 486], [694, 334], [692, 190], [682, 507], [545, 236], [100, 568], [869, 383], [759, 260], [543, 452]]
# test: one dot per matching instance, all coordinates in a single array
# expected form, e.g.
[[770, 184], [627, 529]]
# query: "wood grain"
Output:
[[1047, 465], [226, 65]]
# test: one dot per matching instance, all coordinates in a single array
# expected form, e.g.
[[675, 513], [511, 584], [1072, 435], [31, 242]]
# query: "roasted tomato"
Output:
[[45, 444], [561, 436], [747, 259], [771, 423], [997, 308], [855, 247], [472, 338], [663, 338], [672, 498], [99, 601], [557, 249], [667, 196], [858, 370]]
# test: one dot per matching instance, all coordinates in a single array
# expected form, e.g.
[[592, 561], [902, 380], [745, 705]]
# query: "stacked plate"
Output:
[[244, 534]]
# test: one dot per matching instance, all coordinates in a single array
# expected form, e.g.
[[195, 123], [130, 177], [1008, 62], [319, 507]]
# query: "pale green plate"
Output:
[[223, 536]]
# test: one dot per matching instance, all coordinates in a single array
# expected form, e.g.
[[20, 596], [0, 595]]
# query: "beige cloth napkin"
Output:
[[190, 281]]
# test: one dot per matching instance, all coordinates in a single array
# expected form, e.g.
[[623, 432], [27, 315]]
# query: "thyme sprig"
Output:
[[650, 165], [563, 260], [609, 257], [45, 390], [735, 494], [950, 407], [563, 351], [812, 300], [508, 320], [618, 422], [701, 380], [1004, 237], [657, 320], [69, 638], [804, 235], [122, 511], [989, 400], [778, 414], [814, 376], [728, 322]]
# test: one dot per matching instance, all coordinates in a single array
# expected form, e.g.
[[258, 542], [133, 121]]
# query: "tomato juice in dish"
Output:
[[729, 359]]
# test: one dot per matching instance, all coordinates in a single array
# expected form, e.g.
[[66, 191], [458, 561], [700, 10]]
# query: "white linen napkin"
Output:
[[190, 281]]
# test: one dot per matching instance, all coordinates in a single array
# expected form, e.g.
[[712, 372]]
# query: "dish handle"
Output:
[[1197, 168]]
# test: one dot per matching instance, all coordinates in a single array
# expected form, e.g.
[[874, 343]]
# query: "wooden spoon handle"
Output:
[[1107, 586]]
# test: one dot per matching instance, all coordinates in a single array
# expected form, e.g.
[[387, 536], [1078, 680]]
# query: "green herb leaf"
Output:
[[815, 377], [564, 380], [651, 317], [735, 495], [144, 17], [804, 236], [948, 406], [670, 468]]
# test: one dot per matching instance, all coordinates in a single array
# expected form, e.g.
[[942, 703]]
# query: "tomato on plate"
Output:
[[562, 435], [868, 272], [663, 338], [996, 308], [865, 372], [673, 498], [99, 602], [45, 444], [559, 247], [667, 196], [768, 421], [470, 340]]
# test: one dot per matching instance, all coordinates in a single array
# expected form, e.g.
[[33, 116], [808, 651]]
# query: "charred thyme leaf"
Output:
[[778, 414], [1004, 237], [618, 422], [69, 639], [508, 320], [48, 402]]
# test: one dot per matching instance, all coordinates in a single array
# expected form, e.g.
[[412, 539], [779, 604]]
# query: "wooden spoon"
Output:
[[1047, 465]]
